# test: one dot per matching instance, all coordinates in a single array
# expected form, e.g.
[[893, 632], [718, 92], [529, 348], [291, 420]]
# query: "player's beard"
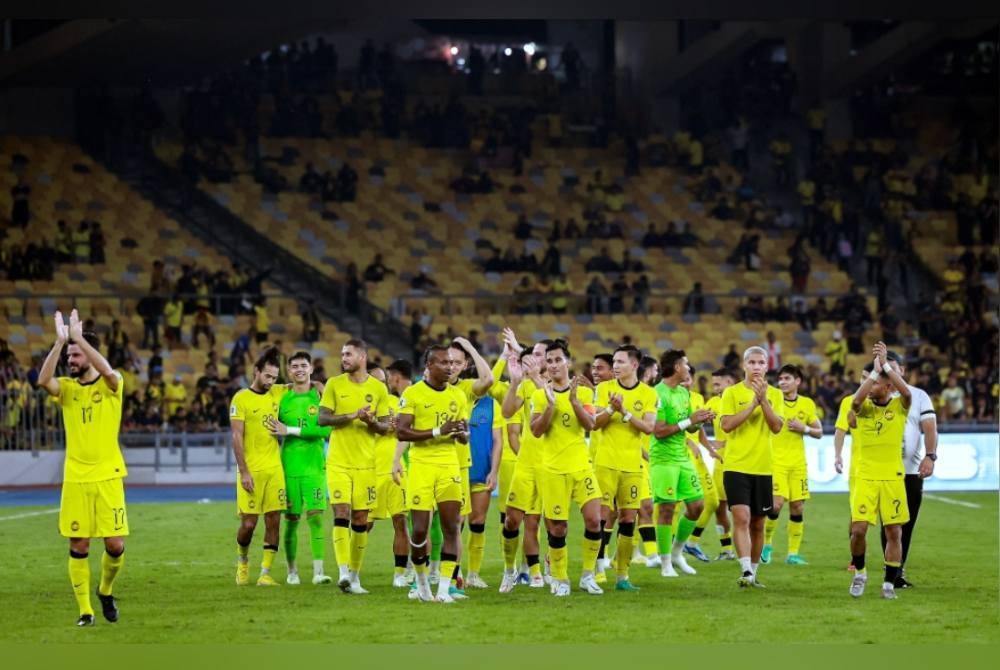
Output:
[[79, 372]]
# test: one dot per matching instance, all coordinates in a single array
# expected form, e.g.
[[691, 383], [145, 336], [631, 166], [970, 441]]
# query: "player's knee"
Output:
[[796, 508], [295, 517], [79, 545], [115, 546], [249, 523], [694, 509], [557, 529]]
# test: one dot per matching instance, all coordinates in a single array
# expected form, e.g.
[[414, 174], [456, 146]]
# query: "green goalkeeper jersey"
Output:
[[303, 455]]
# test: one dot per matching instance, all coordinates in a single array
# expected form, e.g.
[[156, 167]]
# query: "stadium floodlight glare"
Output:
[[454, 51], [529, 48], [508, 51]]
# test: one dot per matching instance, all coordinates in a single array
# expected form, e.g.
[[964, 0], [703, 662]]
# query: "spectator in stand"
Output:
[[694, 302], [800, 265], [202, 326], [953, 399], [310, 322], [836, 354], [311, 181], [732, 359], [20, 209], [773, 348], [377, 270], [260, 321], [173, 318], [174, 396], [97, 243], [597, 296]]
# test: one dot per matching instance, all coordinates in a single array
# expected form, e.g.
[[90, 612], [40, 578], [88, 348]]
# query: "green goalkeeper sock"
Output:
[[291, 540], [317, 539]]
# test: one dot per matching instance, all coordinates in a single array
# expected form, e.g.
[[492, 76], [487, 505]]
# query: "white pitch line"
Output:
[[28, 514], [952, 501]]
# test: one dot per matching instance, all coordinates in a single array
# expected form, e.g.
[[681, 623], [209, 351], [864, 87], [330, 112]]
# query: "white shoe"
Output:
[[474, 581], [667, 569], [561, 589], [322, 579], [539, 582], [410, 575], [433, 577], [399, 581], [638, 558], [681, 564], [357, 589], [588, 584], [292, 579], [444, 598], [653, 561], [508, 582], [858, 584], [424, 593]]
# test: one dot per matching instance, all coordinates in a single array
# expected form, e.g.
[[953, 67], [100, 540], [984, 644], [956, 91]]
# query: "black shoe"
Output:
[[901, 583], [85, 620], [109, 607]]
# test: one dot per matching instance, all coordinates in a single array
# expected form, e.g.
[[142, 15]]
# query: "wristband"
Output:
[[874, 375], [685, 424], [436, 432], [627, 417], [293, 430], [610, 411], [886, 368]]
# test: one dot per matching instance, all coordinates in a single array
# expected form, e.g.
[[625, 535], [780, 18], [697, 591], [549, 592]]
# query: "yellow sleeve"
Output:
[[382, 406], [237, 410], [406, 401], [601, 395], [538, 402], [728, 407], [813, 412], [845, 407], [329, 399]]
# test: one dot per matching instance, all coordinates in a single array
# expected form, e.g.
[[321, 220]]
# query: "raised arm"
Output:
[[97, 361], [46, 376], [484, 375]]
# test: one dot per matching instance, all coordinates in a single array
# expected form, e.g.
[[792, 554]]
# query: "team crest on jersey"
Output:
[[232, 410], [453, 407], [670, 491], [313, 410], [251, 504], [511, 497], [889, 415], [637, 407], [369, 397], [95, 397], [862, 508], [416, 500], [802, 416], [402, 402], [337, 494], [557, 509], [75, 526]]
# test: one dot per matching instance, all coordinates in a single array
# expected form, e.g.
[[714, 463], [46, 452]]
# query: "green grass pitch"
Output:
[[177, 586]]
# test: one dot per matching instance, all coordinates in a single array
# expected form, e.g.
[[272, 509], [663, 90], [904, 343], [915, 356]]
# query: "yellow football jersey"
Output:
[[564, 446], [748, 448], [715, 404], [620, 444], [260, 448], [789, 448], [352, 445], [498, 391], [92, 415], [530, 447], [430, 408], [879, 431]]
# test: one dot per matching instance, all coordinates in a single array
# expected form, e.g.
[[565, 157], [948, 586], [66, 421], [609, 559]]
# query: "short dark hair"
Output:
[[300, 355], [546, 343], [871, 366], [370, 365], [91, 338], [431, 350], [559, 345], [893, 356], [402, 367], [790, 369], [645, 363], [357, 343], [632, 351], [669, 359], [606, 357], [270, 356], [725, 372]]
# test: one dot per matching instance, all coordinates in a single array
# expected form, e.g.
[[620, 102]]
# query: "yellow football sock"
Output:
[[79, 576], [647, 532], [359, 542], [770, 525], [559, 562], [270, 551], [110, 565], [510, 551], [535, 570], [624, 556], [342, 542], [447, 570], [242, 553], [591, 547], [477, 547], [795, 532]]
